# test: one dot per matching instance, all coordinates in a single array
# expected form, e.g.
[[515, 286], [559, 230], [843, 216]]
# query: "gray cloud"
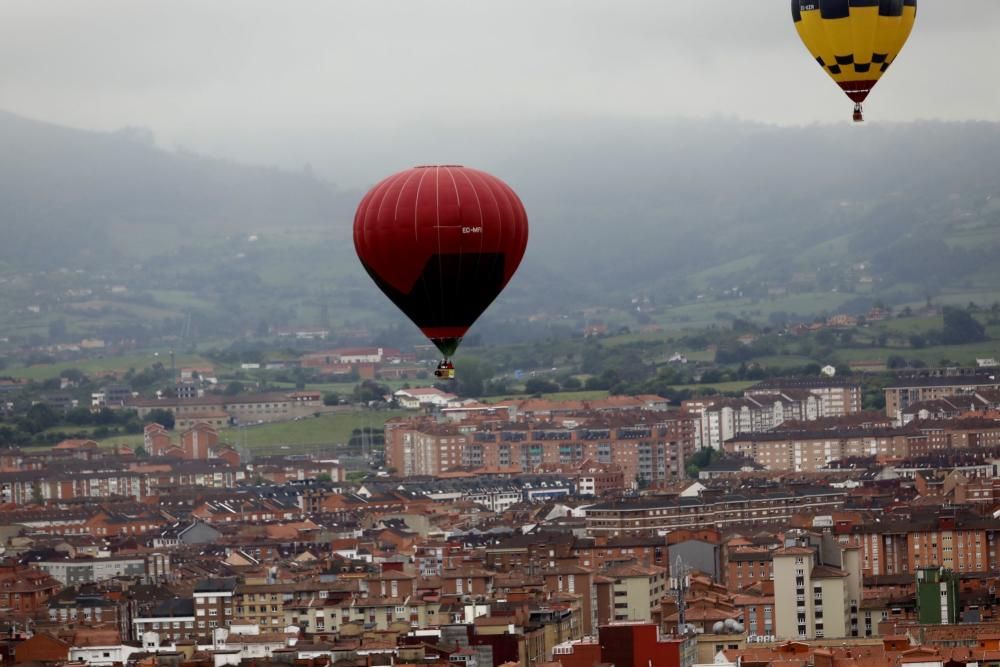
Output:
[[297, 81]]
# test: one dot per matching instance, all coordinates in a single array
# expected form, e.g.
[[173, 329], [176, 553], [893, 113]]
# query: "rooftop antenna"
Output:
[[680, 582]]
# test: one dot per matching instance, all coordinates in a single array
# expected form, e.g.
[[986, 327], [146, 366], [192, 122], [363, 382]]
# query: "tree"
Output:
[[369, 391], [961, 327], [79, 417], [540, 386], [234, 388], [826, 337], [40, 417], [164, 418], [74, 375], [896, 361], [331, 398], [470, 378], [57, 329], [572, 383], [701, 459]]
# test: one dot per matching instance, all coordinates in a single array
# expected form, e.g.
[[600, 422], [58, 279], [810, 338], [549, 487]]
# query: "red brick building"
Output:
[[645, 445], [41, 648], [25, 589], [627, 645]]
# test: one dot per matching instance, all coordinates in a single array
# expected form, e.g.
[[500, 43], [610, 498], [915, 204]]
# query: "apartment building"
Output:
[[817, 591], [102, 481], [428, 449], [172, 620], [839, 396], [962, 542], [73, 572], [718, 419], [645, 446], [746, 567], [351, 616], [637, 590], [653, 515], [24, 589], [213, 605], [809, 451], [263, 604], [241, 409], [905, 391]]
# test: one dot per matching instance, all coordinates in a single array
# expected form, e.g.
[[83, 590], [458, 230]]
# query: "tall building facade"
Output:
[[817, 591]]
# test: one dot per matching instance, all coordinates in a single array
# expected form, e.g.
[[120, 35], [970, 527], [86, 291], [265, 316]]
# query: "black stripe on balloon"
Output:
[[835, 9], [890, 8], [449, 292]]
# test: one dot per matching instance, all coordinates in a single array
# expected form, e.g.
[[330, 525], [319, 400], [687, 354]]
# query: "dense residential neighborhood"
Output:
[[499, 334], [788, 524]]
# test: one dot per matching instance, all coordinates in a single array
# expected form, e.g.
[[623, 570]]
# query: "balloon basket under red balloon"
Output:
[[445, 370], [859, 116]]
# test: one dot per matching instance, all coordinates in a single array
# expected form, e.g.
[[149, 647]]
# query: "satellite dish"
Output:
[[718, 627]]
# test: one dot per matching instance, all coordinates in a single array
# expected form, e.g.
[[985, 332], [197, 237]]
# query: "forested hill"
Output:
[[680, 207], [65, 193], [671, 208]]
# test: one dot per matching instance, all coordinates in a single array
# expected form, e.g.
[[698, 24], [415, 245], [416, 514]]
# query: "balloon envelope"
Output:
[[854, 41], [442, 242]]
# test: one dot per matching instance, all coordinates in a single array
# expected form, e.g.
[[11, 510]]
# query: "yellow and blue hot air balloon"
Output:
[[854, 41]]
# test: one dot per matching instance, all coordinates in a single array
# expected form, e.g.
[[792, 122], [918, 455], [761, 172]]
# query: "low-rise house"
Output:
[[192, 532]]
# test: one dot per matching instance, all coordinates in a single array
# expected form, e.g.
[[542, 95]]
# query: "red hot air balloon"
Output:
[[442, 242]]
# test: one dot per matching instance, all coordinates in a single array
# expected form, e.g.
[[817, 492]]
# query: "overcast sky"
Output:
[[297, 81]]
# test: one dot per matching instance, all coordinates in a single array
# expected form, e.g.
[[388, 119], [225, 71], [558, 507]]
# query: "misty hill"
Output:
[[66, 193], [684, 206], [676, 210]]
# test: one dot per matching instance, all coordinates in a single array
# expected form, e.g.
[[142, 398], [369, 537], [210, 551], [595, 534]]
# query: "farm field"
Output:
[[298, 436], [101, 365]]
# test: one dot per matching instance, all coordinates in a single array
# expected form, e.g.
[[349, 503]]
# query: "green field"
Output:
[[907, 325], [99, 365], [311, 432], [783, 361], [721, 387], [703, 279], [555, 396], [965, 355], [704, 313], [297, 436], [180, 299]]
